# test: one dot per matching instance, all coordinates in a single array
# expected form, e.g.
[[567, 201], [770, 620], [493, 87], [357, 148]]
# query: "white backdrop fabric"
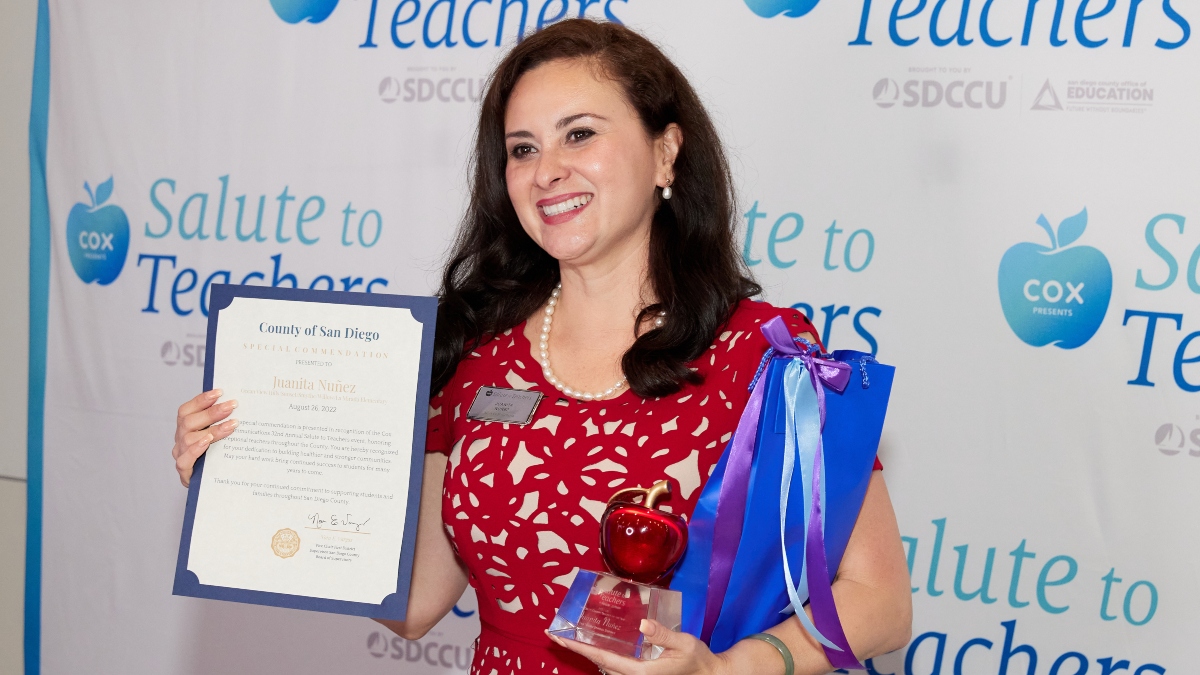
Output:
[[1043, 443]]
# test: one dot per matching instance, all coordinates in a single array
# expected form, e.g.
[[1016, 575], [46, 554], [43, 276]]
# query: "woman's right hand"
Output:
[[196, 427]]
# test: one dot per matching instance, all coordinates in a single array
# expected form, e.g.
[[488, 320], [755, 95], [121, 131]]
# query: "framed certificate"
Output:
[[312, 502]]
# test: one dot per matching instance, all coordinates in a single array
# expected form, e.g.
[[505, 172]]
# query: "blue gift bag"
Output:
[[805, 448]]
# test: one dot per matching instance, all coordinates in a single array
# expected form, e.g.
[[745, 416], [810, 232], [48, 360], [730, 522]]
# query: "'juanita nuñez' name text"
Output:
[[306, 384]]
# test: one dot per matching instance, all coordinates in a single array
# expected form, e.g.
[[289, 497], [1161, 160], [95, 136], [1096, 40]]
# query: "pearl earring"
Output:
[[666, 191]]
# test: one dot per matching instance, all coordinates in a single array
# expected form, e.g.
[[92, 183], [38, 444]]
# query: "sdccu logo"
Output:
[[1055, 295], [1170, 439], [445, 655], [97, 236], [932, 93], [191, 354]]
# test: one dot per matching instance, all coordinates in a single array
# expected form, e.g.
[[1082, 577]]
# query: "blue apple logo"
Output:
[[1055, 295], [769, 9], [97, 236], [295, 11]]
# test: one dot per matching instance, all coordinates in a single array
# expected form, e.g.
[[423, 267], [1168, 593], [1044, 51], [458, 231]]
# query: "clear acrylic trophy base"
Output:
[[606, 611]]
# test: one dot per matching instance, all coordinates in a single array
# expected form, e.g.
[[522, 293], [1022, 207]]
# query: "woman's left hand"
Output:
[[682, 654]]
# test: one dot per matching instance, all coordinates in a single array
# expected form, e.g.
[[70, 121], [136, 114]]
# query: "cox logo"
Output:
[[1055, 295], [97, 236], [773, 8], [295, 11], [1052, 291]]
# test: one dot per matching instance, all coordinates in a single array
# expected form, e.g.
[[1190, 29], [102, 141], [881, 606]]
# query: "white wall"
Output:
[[16, 73], [12, 574], [16, 70]]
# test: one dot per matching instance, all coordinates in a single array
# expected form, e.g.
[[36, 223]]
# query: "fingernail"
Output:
[[232, 404], [644, 626], [231, 425], [215, 393], [207, 440]]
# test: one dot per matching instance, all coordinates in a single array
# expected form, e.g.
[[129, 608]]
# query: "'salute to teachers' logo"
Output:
[[312, 11], [97, 236], [285, 543], [1056, 294], [790, 8]]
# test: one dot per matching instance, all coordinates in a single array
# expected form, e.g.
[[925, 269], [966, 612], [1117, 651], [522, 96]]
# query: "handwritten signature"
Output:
[[337, 521]]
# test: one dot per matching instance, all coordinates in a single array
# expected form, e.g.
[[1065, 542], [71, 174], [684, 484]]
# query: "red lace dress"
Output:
[[522, 503]]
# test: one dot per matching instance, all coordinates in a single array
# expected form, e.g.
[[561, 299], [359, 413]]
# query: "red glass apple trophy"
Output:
[[641, 545]]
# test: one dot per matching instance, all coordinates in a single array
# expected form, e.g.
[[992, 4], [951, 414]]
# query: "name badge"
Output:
[[511, 406]]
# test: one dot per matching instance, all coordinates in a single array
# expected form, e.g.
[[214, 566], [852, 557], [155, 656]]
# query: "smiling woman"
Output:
[[601, 207], [595, 112]]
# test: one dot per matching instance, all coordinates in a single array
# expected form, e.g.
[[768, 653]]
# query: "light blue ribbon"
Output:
[[803, 433]]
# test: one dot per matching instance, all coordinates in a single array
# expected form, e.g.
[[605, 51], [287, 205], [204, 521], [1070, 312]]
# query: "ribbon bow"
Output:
[[834, 374], [805, 420]]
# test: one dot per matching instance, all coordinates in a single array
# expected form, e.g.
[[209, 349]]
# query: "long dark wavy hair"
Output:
[[496, 276]]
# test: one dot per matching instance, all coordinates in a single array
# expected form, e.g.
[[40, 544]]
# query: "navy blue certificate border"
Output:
[[394, 606]]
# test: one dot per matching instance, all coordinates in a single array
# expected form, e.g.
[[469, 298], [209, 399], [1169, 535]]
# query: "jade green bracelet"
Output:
[[789, 666]]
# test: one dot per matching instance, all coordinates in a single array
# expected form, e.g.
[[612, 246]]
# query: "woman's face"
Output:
[[582, 170]]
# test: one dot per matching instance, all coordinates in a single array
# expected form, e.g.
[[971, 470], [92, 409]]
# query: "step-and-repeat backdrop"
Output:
[[998, 197]]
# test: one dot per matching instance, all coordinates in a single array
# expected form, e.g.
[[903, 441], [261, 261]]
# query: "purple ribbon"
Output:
[[820, 587], [731, 509], [731, 500]]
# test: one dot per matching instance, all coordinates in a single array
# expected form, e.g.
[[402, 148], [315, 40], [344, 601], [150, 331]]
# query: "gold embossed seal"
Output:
[[285, 543]]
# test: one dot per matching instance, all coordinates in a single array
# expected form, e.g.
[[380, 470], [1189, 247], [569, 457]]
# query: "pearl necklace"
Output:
[[544, 351]]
